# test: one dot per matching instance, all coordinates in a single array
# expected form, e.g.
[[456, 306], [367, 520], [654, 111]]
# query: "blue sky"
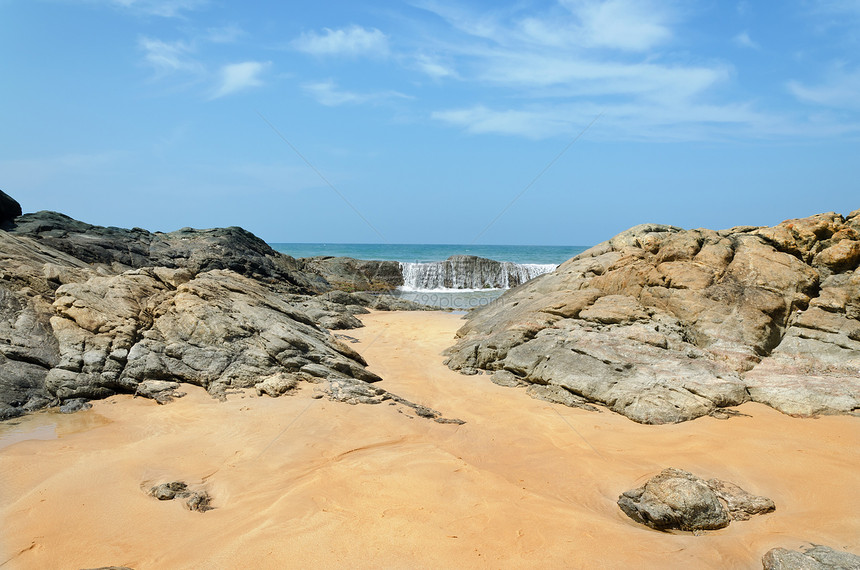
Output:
[[431, 121]]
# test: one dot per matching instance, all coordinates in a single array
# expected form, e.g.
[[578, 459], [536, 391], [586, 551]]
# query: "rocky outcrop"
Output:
[[812, 558], [348, 274], [665, 325], [678, 500], [87, 312], [9, 210], [119, 249]]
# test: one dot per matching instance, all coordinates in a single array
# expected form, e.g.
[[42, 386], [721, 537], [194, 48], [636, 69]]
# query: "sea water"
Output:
[[531, 260]]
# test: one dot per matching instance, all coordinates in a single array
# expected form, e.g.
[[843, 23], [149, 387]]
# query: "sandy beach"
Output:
[[301, 482]]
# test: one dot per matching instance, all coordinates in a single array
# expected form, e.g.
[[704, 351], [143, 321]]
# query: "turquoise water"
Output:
[[421, 253]]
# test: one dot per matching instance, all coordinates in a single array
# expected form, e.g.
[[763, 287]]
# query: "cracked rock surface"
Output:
[[665, 325], [812, 558], [676, 499], [87, 312]]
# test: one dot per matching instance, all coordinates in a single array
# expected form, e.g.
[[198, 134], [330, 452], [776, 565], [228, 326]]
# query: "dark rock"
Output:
[[813, 558], [169, 491], [196, 251], [9, 210], [676, 499], [199, 501], [75, 405], [348, 274], [665, 325], [194, 500]]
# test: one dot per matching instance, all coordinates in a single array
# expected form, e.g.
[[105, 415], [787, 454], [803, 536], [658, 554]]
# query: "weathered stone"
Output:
[[348, 274], [741, 504], [665, 325], [812, 558], [87, 312], [276, 385], [169, 491], [75, 405], [676, 499], [162, 391]]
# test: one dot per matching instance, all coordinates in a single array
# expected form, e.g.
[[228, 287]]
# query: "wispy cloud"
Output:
[[166, 57], [563, 66], [744, 40], [236, 77], [351, 41], [839, 90], [433, 67], [327, 93]]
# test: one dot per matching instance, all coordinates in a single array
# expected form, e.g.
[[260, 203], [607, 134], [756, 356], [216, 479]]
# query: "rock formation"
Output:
[[194, 500], [676, 499], [813, 558], [665, 325], [87, 312], [348, 274]]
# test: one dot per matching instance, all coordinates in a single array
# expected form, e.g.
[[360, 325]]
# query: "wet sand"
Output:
[[300, 482]]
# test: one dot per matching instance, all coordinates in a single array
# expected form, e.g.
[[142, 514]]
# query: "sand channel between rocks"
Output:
[[300, 482]]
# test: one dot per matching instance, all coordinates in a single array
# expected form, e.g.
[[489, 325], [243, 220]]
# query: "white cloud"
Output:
[[239, 76], [433, 67], [352, 41], [635, 25], [840, 90], [327, 93], [167, 57], [744, 40]]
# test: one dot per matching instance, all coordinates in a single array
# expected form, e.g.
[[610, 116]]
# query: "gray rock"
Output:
[[194, 500], [169, 491], [276, 385], [348, 274], [664, 325], [137, 312], [194, 250], [813, 558], [676, 499], [741, 504], [75, 405], [162, 391]]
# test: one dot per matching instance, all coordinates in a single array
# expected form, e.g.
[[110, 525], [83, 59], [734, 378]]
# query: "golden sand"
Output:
[[300, 482]]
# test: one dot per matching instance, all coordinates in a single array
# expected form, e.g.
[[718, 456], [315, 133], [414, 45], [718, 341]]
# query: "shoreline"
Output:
[[298, 481]]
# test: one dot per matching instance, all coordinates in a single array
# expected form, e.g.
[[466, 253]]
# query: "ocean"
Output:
[[430, 280], [423, 253]]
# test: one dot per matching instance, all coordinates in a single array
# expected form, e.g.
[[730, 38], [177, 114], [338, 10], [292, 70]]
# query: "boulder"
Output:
[[194, 500], [676, 499], [665, 325], [812, 558]]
